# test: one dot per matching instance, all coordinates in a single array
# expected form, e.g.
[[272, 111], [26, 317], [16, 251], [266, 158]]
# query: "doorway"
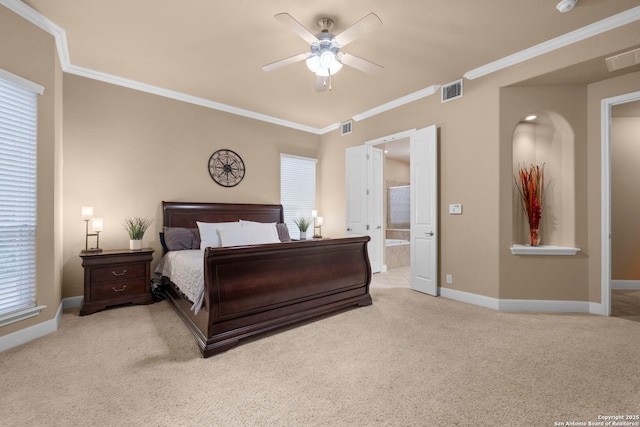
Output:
[[607, 106], [395, 173], [423, 210], [625, 203]]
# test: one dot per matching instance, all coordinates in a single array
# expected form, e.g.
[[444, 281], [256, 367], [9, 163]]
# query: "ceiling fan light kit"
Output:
[[325, 58]]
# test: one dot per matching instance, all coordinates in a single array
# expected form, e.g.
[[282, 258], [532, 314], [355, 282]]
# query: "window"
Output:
[[18, 148], [297, 189]]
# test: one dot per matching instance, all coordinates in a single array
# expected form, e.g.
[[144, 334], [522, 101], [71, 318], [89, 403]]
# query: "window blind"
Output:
[[18, 149], [297, 189]]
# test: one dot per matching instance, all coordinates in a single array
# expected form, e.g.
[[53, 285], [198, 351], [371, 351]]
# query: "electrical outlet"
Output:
[[449, 278]]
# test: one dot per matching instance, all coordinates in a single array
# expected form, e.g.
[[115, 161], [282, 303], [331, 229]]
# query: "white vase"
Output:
[[135, 245], [303, 235]]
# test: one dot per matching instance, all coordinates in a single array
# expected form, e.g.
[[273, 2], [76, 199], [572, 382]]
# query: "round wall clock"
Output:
[[226, 168]]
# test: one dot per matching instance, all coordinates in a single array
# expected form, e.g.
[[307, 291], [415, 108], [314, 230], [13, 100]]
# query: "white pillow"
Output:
[[209, 235], [248, 235], [262, 227]]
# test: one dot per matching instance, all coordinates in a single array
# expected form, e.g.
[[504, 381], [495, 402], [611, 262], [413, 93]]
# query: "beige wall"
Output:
[[475, 169], [625, 198], [30, 53], [468, 149], [536, 277], [126, 151]]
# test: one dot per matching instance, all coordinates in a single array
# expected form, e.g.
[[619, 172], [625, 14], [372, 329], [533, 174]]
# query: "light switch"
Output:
[[455, 209]]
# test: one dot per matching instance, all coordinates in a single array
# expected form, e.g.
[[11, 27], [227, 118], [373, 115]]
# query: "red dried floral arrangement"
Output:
[[530, 184]]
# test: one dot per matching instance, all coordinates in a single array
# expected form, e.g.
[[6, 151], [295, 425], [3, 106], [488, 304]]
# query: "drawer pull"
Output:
[[119, 290], [119, 274]]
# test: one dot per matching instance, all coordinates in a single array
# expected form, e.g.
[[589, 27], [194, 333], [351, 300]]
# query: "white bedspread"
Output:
[[186, 270]]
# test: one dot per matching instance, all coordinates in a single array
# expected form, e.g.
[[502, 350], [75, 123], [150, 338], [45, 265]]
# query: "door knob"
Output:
[[431, 233], [349, 229]]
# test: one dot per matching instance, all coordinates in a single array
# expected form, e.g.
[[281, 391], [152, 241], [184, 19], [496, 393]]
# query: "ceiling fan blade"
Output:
[[364, 25], [322, 83], [361, 64], [297, 27], [286, 61]]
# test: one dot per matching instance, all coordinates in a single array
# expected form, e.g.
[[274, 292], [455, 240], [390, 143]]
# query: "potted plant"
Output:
[[303, 225], [136, 226], [530, 184]]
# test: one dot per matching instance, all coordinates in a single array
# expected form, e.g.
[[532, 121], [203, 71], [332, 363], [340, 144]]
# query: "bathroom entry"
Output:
[[423, 189], [398, 213]]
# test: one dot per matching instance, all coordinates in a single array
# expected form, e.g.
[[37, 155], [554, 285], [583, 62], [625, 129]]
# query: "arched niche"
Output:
[[547, 140]]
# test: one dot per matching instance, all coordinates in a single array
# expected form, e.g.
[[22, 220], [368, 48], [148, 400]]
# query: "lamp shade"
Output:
[[97, 224], [87, 212]]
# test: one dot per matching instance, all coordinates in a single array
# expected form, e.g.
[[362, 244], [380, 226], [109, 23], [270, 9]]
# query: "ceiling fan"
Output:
[[325, 58]]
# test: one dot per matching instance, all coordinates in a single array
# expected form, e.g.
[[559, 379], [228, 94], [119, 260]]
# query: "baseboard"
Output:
[[625, 284], [544, 306], [31, 333], [470, 298], [72, 302]]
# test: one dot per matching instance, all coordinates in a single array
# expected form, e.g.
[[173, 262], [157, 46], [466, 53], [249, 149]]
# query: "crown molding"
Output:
[[397, 102], [167, 93], [575, 36], [45, 24]]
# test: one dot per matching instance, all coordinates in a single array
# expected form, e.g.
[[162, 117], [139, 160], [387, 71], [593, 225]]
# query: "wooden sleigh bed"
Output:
[[253, 289]]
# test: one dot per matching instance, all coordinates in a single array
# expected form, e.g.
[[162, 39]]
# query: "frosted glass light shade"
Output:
[[97, 224], [324, 64], [87, 212]]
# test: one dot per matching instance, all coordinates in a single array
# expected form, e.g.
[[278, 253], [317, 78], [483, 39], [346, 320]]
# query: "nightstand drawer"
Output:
[[118, 273], [117, 290]]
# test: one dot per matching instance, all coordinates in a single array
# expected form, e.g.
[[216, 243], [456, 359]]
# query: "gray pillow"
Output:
[[179, 238], [283, 232]]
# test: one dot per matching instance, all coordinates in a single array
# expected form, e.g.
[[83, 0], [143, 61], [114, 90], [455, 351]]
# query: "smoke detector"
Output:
[[566, 5]]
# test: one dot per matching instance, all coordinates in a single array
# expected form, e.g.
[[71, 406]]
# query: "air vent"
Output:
[[451, 91], [346, 127], [623, 60]]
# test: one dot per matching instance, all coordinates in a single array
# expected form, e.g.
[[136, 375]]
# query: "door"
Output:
[[364, 199], [424, 210]]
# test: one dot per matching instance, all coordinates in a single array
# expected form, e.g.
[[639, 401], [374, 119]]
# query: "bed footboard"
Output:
[[254, 289]]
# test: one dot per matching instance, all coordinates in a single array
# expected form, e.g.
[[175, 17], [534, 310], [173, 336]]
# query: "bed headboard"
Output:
[[185, 214]]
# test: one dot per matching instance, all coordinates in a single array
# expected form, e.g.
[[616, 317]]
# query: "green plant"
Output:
[[136, 226], [302, 223]]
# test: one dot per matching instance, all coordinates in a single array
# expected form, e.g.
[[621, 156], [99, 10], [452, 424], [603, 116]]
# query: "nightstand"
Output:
[[114, 277]]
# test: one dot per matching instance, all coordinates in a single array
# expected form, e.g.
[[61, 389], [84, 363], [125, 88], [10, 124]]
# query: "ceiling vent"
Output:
[[451, 91], [623, 60], [346, 128]]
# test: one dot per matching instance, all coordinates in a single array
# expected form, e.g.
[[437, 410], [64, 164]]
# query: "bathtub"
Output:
[[396, 242], [398, 253]]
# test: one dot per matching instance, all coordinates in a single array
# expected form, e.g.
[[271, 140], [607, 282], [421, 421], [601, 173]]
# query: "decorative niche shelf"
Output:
[[543, 250]]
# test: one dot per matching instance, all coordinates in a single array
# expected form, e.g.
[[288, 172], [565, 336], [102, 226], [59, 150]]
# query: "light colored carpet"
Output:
[[407, 360]]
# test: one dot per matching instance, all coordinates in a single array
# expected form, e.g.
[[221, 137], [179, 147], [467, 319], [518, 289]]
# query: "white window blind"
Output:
[[297, 189], [18, 148]]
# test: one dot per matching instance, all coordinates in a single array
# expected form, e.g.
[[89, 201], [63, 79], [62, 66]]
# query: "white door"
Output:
[[424, 210], [364, 198], [376, 245]]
